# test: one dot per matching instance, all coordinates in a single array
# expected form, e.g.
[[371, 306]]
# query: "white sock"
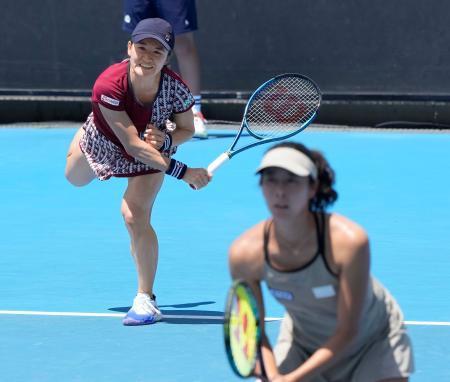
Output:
[[197, 108]]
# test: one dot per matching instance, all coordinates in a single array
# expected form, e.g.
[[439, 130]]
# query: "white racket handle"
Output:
[[216, 163]]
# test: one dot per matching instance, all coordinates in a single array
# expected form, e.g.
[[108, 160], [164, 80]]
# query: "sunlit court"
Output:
[[198, 191], [68, 278]]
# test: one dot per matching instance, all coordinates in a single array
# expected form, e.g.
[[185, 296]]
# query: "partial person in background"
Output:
[[126, 136], [340, 324], [182, 15]]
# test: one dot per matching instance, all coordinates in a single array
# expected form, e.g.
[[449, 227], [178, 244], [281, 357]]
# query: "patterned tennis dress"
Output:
[[103, 150]]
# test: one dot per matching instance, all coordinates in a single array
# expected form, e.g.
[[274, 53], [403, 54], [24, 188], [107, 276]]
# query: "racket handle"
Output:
[[219, 161]]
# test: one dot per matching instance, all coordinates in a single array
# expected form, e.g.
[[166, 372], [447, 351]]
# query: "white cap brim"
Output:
[[289, 159]]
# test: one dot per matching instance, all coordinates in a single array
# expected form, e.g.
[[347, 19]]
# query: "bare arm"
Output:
[[127, 134], [184, 127], [147, 153], [183, 132], [353, 261], [246, 262]]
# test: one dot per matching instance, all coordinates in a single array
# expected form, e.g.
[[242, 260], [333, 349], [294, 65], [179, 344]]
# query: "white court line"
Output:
[[69, 314], [428, 323], [191, 317], [121, 315]]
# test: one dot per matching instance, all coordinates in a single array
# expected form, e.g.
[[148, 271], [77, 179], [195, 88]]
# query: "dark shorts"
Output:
[[181, 14]]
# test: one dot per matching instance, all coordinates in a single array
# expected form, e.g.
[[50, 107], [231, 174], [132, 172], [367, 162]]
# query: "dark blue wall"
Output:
[[347, 46], [399, 46]]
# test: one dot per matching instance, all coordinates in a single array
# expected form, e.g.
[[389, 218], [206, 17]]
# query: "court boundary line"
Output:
[[172, 316], [119, 315]]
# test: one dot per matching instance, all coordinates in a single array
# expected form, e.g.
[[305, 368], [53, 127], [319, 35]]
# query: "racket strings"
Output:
[[282, 107], [243, 332]]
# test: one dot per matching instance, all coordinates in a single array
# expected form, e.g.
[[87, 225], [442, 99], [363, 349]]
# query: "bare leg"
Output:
[[78, 172], [137, 206], [188, 60], [189, 65]]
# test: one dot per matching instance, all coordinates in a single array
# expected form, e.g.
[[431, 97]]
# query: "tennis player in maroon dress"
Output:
[[127, 135]]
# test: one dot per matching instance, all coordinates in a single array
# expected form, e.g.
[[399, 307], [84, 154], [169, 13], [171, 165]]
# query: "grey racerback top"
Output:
[[310, 295]]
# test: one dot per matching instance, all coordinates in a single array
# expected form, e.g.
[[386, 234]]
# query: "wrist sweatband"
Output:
[[167, 142], [176, 169]]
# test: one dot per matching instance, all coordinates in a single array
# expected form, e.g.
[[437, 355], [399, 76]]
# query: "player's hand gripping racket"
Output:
[[278, 109], [242, 333]]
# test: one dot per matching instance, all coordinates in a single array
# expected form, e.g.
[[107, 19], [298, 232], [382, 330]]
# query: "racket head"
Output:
[[282, 107], [242, 333]]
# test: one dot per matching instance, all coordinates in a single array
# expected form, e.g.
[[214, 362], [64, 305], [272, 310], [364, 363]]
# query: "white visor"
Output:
[[289, 159]]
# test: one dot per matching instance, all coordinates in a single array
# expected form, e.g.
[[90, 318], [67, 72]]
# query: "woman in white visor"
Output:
[[340, 324]]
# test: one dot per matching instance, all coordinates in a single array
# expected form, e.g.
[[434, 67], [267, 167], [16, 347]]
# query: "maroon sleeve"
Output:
[[109, 90]]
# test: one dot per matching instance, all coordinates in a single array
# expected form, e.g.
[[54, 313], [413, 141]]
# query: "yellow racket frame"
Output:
[[242, 332]]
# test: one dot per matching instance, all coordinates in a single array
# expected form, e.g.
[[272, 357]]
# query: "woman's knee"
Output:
[[135, 217], [76, 173], [77, 181], [137, 203]]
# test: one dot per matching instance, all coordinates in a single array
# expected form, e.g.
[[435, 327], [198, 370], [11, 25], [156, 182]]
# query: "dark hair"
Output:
[[326, 195]]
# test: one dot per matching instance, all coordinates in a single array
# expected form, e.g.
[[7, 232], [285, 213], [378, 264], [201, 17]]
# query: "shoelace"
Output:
[[147, 304]]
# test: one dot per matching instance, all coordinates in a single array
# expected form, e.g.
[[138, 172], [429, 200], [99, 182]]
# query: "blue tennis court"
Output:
[[67, 277]]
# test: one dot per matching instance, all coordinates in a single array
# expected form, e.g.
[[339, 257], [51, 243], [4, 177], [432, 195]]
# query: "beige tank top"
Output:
[[310, 293]]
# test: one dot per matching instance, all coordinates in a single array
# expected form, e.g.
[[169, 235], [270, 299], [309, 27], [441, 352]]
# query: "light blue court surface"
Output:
[[65, 249]]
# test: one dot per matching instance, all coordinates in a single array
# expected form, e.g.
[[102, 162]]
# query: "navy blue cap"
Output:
[[158, 29]]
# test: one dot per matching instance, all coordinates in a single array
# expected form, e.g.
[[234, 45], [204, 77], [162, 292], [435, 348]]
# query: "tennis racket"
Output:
[[278, 109], [242, 333]]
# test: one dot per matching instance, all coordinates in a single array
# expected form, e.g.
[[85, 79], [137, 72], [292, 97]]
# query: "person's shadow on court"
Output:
[[181, 315]]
